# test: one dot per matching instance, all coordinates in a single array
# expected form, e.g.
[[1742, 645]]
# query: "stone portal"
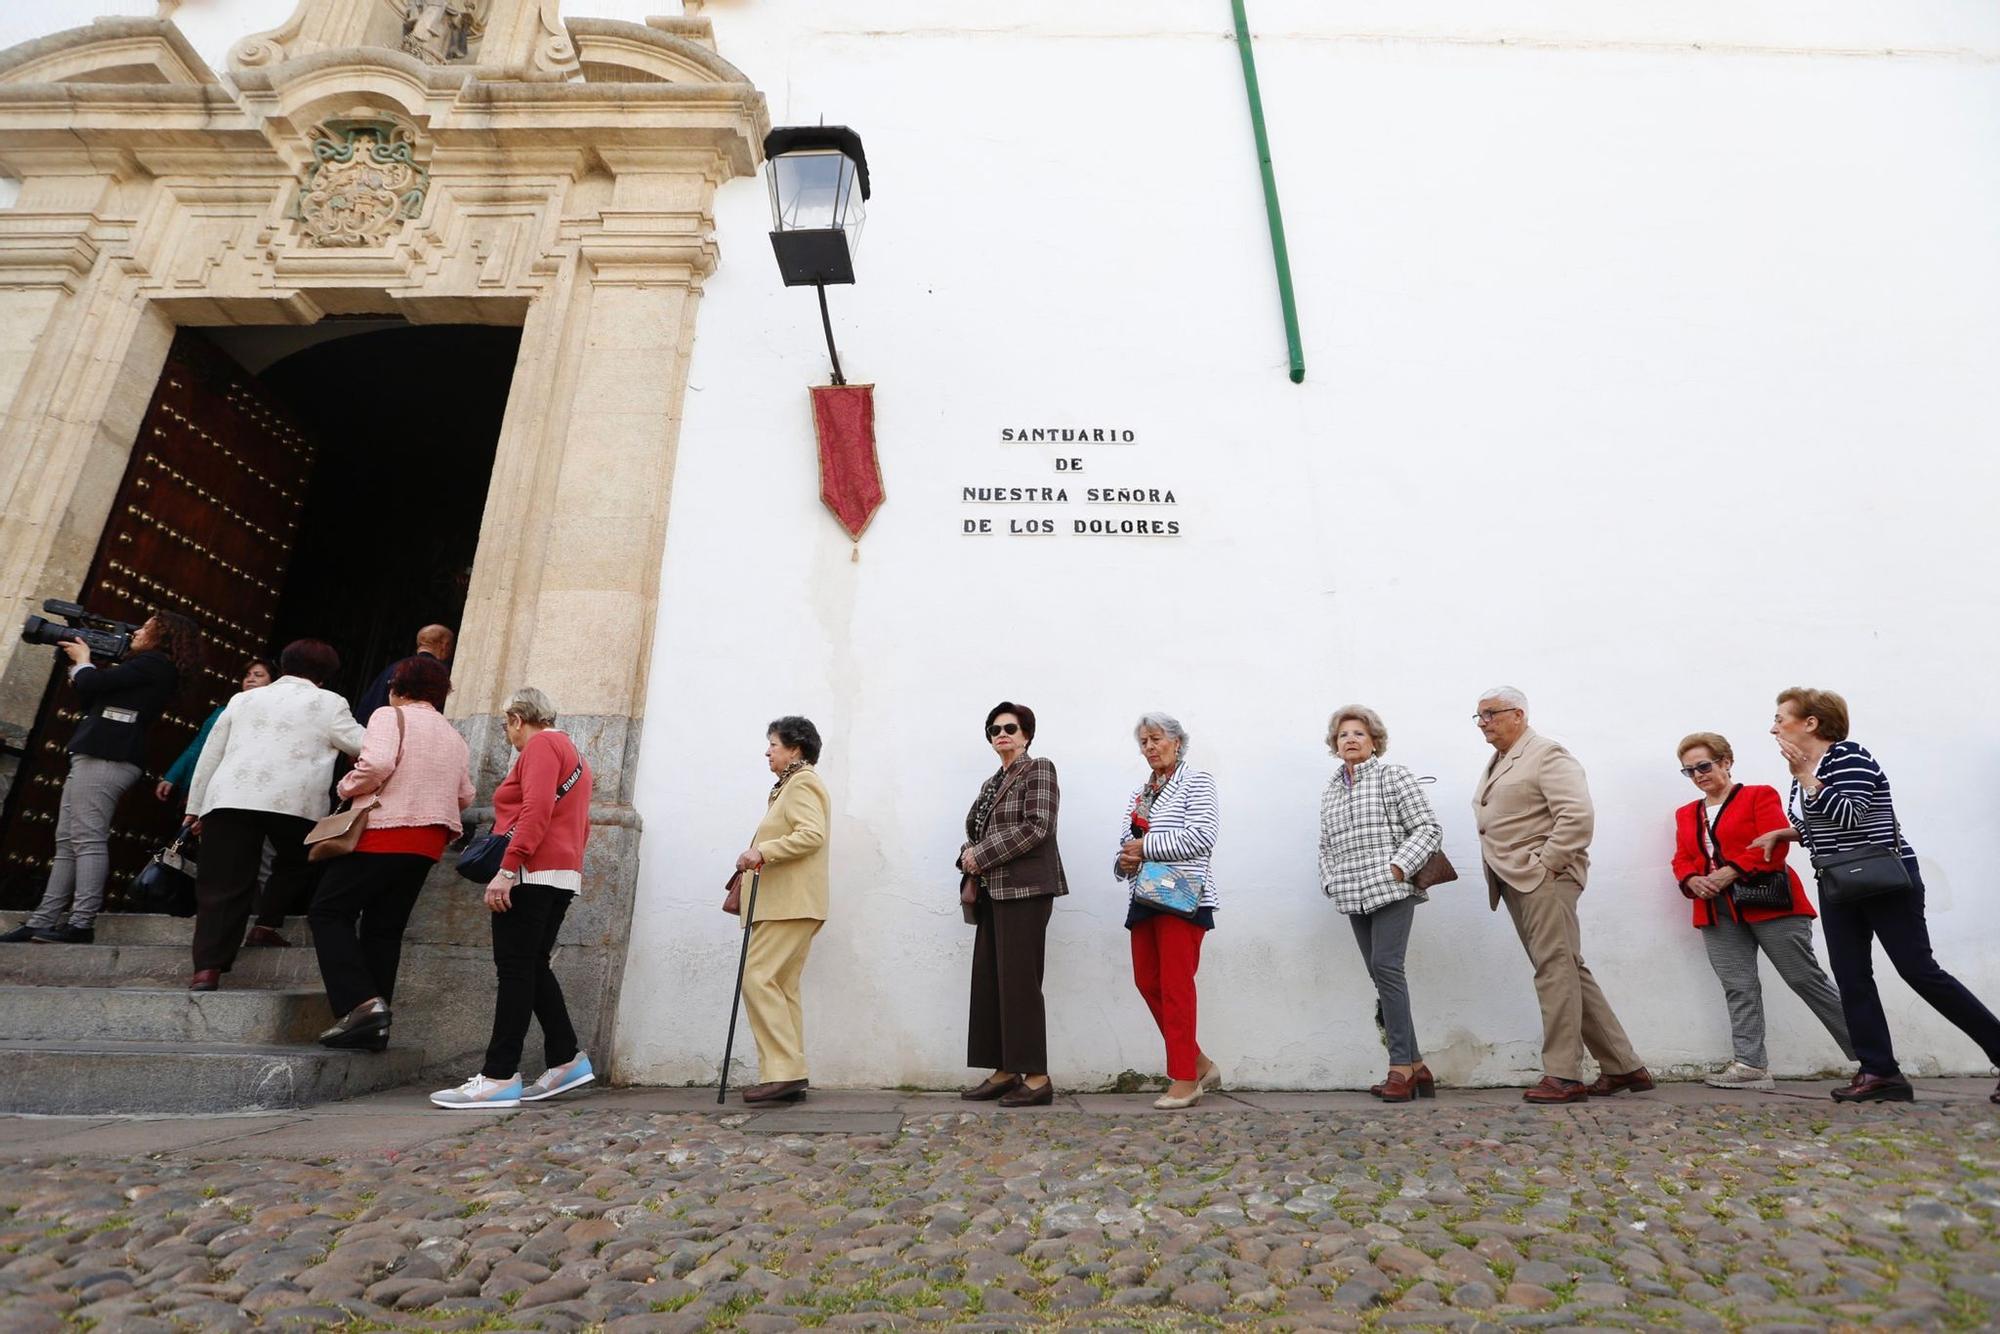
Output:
[[521, 170]]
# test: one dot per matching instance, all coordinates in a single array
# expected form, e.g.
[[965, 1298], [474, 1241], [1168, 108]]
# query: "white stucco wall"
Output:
[[1649, 369], [1610, 342]]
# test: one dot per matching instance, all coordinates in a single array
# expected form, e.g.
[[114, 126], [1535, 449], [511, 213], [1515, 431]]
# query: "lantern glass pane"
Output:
[[810, 189]]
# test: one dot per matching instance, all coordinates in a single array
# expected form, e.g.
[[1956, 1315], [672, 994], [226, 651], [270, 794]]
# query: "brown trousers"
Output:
[[1575, 1014], [1008, 1028]]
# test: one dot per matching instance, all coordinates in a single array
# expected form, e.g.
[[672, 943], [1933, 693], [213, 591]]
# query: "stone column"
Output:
[[581, 485], [78, 361]]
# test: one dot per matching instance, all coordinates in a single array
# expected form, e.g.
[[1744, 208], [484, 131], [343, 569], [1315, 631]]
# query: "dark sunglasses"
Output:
[[997, 728], [1690, 770]]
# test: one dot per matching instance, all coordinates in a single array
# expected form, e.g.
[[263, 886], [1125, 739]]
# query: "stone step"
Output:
[[147, 1014], [137, 928], [101, 1078], [164, 965]]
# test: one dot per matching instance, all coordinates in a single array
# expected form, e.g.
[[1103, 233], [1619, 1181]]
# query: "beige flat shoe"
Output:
[[1211, 1080], [1167, 1103]]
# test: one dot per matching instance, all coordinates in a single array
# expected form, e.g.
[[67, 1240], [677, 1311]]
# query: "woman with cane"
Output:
[[785, 910]]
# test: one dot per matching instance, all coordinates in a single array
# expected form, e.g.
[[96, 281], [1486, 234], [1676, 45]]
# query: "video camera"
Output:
[[107, 640]]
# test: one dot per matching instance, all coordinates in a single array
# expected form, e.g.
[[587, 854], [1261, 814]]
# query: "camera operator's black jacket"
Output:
[[120, 704]]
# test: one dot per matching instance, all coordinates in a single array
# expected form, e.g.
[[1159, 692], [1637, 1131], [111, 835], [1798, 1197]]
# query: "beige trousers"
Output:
[[1575, 1014], [771, 995]]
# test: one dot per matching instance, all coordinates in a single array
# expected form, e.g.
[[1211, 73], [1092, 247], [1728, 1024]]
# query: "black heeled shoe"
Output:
[[365, 1027]]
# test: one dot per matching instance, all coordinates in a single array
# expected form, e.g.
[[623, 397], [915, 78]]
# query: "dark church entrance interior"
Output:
[[286, 483]]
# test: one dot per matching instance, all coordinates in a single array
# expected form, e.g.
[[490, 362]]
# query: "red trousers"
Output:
[[1165, 953]]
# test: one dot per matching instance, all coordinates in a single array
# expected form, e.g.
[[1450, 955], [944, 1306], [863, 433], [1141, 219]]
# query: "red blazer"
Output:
[[1747, 812]]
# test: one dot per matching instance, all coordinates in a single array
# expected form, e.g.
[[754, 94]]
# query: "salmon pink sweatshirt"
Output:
[[547, 847]]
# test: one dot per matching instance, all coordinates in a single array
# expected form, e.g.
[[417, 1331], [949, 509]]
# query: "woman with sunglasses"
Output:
[[1011, 875], [1715, 861]]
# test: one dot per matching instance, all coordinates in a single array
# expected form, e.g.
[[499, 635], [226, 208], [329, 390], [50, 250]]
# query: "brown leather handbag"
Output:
[[1436, 870], [340, 833]]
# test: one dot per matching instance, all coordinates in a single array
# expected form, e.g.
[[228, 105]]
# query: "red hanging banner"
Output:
[[850, 477]]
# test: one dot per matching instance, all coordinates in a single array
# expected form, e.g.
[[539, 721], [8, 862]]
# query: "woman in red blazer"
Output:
[[1712, 861]]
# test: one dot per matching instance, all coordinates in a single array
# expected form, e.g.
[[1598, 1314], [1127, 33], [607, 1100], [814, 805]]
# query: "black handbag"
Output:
[[482, 857], [1763, 889], [166, 883], [1862, 873]]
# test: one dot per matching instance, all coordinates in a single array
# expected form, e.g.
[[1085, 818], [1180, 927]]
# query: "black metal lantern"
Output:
[[814, 172], [815, 214]]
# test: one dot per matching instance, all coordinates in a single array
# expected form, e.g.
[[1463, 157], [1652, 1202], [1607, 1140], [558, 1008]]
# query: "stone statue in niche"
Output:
[[364, 182], [438, 32]]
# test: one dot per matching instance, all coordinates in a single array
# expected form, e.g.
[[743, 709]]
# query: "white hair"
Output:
[[532, 707], [1508, 697], [1163, 723]]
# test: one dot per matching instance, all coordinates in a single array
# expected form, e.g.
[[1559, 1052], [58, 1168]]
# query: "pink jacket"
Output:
[[431, 785]]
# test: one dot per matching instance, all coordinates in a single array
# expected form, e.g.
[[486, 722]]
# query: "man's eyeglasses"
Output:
[[997, 728], [1690, 770], [1488, 715]]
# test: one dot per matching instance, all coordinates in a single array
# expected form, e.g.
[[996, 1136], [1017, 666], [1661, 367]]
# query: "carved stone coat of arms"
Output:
[[362, 184]]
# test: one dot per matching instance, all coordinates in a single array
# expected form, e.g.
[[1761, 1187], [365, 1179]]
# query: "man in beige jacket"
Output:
[[1532, 807]]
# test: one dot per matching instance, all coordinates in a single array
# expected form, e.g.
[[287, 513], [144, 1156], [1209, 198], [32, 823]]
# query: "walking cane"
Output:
[[742, 960]]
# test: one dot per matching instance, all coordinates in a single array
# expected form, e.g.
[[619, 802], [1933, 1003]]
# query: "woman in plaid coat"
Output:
[[1376, 830], [1011, 876]]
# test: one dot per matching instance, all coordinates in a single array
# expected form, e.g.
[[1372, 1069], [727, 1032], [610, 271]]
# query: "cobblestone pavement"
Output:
[[635, 1209]]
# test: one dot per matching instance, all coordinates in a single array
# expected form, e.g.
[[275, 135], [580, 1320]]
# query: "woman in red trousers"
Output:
[[1170, 827]]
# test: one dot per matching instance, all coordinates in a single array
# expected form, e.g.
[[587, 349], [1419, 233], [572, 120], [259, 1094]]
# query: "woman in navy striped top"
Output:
[[1840, 801]]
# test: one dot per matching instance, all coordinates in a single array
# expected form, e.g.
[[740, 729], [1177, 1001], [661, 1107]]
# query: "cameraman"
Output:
[[107, 753]]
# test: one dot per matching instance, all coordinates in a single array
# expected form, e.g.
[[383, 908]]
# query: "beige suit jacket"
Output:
[[1533, 811], [792, 837]]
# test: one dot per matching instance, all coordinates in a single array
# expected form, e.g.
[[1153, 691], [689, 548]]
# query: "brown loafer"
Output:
[[205, 979], [990, 1088], [1876, 1088], [1552, 1090], [264, 935], [1419, 1083], [778, 1090], [1632, 1081], [1024, 1096]]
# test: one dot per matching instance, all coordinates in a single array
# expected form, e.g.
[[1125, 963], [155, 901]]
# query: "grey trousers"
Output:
[[1384, 937], [83, 841], [1787, 942]]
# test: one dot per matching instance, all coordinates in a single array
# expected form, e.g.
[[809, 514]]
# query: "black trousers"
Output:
[[1008, 1027], [523, 939], [232, 848], [358, 915], [1897, 920]]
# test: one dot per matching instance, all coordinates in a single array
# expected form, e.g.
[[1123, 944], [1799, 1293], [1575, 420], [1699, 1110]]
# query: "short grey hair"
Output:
[[1508, 696], [1378, 731], [1163, 723], [531, 706]]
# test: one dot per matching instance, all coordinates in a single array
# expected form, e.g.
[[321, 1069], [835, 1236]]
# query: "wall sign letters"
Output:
[[1078, 503]]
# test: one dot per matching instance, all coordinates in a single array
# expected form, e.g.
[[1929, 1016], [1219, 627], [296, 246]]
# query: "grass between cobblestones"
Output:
[[1766, 1214]]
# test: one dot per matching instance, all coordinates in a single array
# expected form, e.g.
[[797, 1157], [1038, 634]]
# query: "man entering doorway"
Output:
[[433, 641]]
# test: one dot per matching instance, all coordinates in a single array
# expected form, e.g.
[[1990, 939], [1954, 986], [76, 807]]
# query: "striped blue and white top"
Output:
[[1182, 828], [1854, 808]]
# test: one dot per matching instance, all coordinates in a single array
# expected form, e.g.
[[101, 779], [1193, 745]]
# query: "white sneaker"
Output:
[[480, 1092], [1737, 1075], [562, 1078]]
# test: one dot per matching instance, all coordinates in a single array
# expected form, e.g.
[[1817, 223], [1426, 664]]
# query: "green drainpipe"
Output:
[[1278, 253]]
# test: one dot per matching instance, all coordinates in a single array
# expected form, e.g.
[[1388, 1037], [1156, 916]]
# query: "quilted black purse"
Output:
[[1763, 889]]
